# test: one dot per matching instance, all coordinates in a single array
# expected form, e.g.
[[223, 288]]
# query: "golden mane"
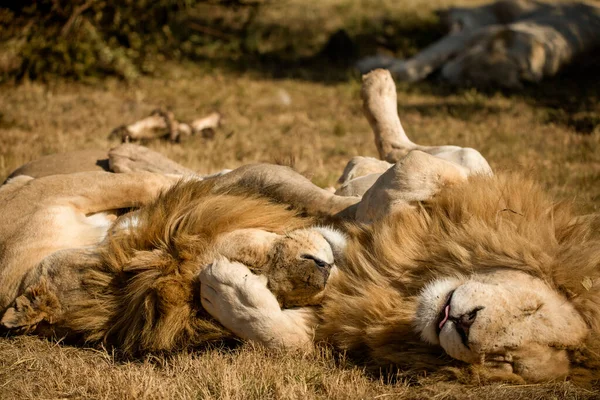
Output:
[[144, 295], [501, 222]]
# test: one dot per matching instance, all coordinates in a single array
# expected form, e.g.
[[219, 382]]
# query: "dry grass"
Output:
[[32, 368], [320, 127]]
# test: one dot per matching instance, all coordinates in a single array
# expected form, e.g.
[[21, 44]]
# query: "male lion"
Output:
[[68, 269], [505, 43], [486, 274]]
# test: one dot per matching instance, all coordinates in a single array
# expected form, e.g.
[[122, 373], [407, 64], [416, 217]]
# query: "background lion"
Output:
[[506, 44]]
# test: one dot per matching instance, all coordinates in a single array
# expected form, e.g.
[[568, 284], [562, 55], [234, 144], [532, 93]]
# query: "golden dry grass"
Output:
[[32, 368], [320, 128]]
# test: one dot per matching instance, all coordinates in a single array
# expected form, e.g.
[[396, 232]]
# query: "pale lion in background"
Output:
[[504, 44]]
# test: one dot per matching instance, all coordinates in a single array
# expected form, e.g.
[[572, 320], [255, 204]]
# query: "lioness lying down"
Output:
[[448, 267], [505, 43]]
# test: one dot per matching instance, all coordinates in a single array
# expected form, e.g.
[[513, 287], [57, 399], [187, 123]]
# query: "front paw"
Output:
[[38, 303], [237, 298]]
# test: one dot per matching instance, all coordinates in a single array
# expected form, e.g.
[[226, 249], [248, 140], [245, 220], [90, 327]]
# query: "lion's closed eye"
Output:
[[530, 310]]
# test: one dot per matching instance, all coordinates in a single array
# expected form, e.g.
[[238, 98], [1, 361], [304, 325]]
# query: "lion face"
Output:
[[297, 264], [504, 320], [300, 263]]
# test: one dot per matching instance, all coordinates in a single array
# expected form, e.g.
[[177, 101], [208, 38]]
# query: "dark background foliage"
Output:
[[87, 38], [84, 39]]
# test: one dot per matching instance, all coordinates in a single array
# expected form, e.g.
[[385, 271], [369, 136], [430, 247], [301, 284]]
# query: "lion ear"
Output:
[[34, 306]]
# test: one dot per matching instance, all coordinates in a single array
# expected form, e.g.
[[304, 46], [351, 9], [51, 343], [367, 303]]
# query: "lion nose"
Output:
[[467, 319]]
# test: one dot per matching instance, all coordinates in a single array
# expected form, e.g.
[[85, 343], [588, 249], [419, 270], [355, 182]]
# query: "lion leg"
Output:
[[360, 174], [360, 166], [275, 181], [416, 177], [365, 176], [431, 58], [380, 107], [421, 65], [123, 158], [368, 64], [92, 192], [64, 163], [287, 186], [242, 303]]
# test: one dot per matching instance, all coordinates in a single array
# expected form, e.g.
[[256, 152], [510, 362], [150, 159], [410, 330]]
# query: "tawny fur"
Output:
[[503, 222], [144, 295]]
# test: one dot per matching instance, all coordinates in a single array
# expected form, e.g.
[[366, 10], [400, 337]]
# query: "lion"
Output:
[[70, 269], [145, 297], [492, 273], [483, 276], [96, 160], [506, 44]]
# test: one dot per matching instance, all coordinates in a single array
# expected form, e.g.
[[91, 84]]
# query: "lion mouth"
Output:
[[444, 313]]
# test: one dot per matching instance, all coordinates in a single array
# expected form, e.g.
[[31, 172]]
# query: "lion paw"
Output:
[[237, 298]]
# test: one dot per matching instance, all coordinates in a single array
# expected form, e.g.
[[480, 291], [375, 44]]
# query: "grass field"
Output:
[[313, 117]]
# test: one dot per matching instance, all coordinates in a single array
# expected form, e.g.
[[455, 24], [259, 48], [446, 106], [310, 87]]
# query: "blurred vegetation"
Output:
[[83, 39]]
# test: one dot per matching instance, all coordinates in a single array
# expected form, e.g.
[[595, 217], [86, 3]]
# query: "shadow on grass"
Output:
[[294, 49], [571, 99]]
